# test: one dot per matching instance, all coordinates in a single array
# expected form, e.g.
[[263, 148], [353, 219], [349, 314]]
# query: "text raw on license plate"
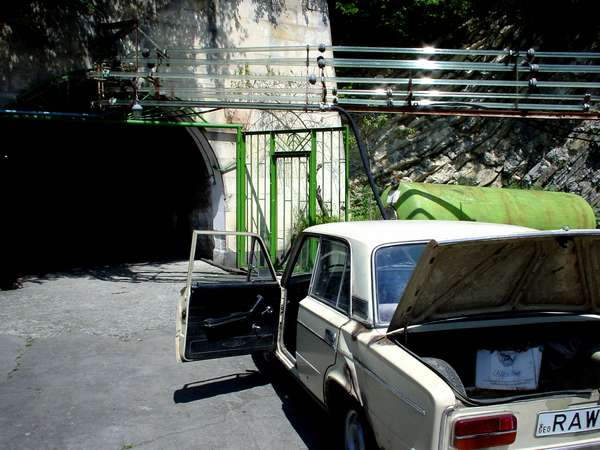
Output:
[[568, 421]]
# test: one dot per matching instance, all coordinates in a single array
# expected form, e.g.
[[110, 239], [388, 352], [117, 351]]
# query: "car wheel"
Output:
[[357, 432], [264, 357], [265, 362]]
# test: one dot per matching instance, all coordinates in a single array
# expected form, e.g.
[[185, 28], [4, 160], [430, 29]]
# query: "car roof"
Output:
[[364, 237], [377, 232]]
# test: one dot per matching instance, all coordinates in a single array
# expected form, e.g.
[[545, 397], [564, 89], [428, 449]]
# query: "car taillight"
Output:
[[484, 432]]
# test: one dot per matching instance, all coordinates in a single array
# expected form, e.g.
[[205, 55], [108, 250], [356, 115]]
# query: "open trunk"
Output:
[[570, 355], [507, 315]]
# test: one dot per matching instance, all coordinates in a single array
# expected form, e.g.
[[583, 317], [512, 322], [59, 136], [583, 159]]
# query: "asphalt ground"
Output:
[[87, 361]]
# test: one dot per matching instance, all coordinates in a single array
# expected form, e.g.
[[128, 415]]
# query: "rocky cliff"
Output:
[[539, 154], [559, 155]]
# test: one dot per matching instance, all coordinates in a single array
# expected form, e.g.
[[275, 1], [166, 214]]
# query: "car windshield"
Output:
[[394, 266]]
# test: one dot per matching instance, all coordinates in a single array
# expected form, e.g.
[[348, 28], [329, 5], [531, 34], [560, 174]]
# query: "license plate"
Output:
[[568, 421]]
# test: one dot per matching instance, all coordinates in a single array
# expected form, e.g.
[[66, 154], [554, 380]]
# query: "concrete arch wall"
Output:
[[217, 210]]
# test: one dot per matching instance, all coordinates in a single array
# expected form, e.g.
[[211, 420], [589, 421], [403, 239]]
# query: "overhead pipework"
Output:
[[513, 83]]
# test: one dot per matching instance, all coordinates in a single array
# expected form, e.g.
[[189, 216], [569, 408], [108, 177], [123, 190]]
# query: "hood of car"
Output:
[[551, 271]]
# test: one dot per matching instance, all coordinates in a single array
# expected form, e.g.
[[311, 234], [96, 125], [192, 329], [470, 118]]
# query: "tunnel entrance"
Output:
[[89, 193]]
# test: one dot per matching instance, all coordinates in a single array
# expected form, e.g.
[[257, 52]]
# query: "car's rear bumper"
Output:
[[583, 446]]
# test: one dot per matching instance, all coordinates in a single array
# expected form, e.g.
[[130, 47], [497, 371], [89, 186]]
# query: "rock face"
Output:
[[540, 154]]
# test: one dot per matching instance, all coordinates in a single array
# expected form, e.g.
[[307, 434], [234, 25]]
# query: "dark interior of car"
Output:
[[570, 352], [297, 289]]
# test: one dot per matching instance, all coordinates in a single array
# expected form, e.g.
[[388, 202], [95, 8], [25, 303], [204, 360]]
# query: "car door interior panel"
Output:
[[231, 318]]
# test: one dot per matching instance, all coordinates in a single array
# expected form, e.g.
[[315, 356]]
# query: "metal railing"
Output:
[[313, 78]]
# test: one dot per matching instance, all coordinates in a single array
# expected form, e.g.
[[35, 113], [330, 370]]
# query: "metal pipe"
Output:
[[237, 90], [192, 76], [442, 104], [220, 104], [429, 65], [405, 64], [466, 112], [286, 48], [458, 52], [175, 123], [389, 50], [364, 158], [242, 98], [47, 115], [230, 62], [475, 94], [422, 81], [426, 81]]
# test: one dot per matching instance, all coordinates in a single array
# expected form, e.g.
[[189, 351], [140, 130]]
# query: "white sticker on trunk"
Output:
[[508, 370]]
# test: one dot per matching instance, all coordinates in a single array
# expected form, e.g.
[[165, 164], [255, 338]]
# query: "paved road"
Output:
[[87, 362]]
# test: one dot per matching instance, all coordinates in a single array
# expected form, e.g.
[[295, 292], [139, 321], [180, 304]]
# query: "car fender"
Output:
[[343, 375]]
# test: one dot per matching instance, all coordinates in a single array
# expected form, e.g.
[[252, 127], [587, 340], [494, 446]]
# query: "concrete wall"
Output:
[[39, 40]]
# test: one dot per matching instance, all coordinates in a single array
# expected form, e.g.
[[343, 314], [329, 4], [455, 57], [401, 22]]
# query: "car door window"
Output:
[[298, 282], [217, 259], [305, 261], [332, 277]]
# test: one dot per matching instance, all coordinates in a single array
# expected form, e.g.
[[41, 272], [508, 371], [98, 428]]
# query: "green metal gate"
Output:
[[289, 179]]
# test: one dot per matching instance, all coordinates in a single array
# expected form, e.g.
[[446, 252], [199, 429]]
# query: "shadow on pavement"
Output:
[[156, 272], [312, 423], [212, 387]]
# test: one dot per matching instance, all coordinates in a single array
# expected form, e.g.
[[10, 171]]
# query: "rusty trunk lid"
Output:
[[549, 271]]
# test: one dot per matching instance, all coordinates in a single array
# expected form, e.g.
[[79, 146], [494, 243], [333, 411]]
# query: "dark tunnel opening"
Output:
[[87, 193]]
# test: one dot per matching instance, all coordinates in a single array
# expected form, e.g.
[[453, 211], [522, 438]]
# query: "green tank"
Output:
[[536, 209]]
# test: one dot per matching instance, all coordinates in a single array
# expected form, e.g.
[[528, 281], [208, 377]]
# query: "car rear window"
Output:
[[394, 266]]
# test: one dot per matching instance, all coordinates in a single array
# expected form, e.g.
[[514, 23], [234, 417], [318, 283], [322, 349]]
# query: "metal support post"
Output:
[[346, 174], [273, 198], [312, 179], [240, 210]]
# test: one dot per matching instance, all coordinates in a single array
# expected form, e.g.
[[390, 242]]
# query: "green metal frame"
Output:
[[240, 207], [272, 155], [272, 198], [347, 175], [312, 179]]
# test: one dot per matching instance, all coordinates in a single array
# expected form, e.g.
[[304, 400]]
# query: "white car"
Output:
[[416, 334]]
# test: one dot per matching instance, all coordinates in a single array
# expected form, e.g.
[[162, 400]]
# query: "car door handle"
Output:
[[236, 317], [330, 336]]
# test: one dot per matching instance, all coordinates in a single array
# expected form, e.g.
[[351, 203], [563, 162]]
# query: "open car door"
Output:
[[230, 304]]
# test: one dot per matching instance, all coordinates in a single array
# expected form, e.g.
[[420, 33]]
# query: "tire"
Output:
[[265, 362], [357, 433], [448, 373]]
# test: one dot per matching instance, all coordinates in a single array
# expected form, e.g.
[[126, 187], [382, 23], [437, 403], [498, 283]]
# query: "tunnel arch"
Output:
[[78, 193]]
